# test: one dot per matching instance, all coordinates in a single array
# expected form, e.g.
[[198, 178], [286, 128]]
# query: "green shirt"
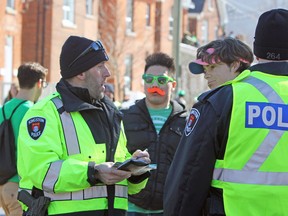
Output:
[[159, 117], [16, 119]]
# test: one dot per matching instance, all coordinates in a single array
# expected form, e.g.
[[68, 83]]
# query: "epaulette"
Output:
[[206, 95]]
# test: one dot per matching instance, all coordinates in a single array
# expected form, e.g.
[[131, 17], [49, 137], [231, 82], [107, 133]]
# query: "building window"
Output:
[[204, 32], [171, 20], [129, 15], [8, 64], [148, 15], [68, 11], [128, 73], [210, 5], [89, 7], [11, 4]]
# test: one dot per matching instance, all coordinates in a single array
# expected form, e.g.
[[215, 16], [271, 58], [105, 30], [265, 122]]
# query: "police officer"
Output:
[[69, 140], [233, 156]]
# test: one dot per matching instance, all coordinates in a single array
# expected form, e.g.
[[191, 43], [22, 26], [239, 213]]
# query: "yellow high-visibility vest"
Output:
[[254, 171]]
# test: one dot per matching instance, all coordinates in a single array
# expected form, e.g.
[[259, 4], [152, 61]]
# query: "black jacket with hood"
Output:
[[141, 134]]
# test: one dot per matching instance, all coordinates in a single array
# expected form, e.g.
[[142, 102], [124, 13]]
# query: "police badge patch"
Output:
[[36, 127], [192, 121]]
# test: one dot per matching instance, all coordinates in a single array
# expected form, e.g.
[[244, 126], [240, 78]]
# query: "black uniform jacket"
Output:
[[188, 188], [141, 134]]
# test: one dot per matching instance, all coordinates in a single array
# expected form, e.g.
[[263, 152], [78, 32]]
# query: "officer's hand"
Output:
[[110, 175], [142, 155]]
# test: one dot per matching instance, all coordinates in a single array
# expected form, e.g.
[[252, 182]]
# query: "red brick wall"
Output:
[[11, 25]]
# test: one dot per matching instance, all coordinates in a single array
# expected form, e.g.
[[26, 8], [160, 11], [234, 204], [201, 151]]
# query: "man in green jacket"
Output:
[[70, 140], [32, 79]]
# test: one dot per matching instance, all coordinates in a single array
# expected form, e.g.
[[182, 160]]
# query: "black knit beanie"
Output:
[[271, 35], [72, 48]]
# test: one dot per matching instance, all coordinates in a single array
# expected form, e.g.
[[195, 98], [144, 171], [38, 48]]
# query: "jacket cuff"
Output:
[[92, 173], [140, 178]]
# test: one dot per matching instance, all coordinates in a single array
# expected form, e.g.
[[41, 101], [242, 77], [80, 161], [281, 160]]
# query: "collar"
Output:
[[75, 98], [274, 68], [176, 108]]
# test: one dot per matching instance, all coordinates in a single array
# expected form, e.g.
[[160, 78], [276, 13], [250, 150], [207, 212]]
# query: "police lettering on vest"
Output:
[[266, 115]]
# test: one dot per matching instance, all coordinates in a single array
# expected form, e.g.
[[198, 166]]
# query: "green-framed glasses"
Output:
[[161, 80]]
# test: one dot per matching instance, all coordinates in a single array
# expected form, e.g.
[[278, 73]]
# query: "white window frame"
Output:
[[171, 21], [10, 4], [129, 16], [128, 73], [148, 15], [68, 12], [204, 31], [89, 7]]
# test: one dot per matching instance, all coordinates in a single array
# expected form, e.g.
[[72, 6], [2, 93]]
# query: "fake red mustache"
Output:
[[156, 90]]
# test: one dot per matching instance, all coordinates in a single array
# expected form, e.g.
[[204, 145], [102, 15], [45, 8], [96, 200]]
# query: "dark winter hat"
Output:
[[79, 54], [271, 35]]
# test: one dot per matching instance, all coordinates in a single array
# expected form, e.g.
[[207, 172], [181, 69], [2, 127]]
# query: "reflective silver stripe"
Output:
[[52, 176], [251, 177], [263, 151], [121, 191], [265, 89], [250, 173], [68, 128], [273, 136], [89, 193]]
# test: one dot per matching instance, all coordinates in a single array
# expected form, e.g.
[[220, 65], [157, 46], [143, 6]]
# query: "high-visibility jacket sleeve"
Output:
[[43, 159]]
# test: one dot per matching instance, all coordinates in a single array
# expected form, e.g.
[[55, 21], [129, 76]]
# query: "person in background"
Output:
[[181, 98], [155, 123], [190, 39], [32, 79], [232, 159], [221, 60], [70, 140], [109, 92], [14, 88]]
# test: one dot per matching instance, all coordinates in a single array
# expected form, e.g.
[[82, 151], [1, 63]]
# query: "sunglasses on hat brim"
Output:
[[96, 46]]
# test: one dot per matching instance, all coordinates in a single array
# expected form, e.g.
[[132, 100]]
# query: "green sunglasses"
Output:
[[161, 80]]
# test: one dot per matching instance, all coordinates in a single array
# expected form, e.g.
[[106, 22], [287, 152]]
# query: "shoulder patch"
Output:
[[36, 127], [192, 121]]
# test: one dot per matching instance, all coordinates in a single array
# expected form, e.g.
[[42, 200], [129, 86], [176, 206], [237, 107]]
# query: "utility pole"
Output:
[[177, 17]]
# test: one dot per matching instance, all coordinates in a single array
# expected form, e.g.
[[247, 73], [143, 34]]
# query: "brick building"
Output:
[[10, 43], [130, 30]]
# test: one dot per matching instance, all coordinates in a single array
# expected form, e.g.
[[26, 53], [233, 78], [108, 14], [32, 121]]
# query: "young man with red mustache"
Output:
[[155, 123]]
